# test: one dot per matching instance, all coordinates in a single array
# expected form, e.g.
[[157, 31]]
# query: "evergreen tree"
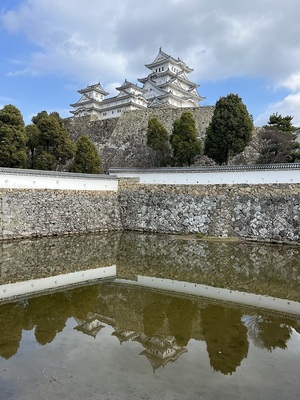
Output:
[[86, 158], [230, 129], [284, 124], [32, 145], [276, 143], [158, 138], [185, 144], [12, 138], [53, 145]]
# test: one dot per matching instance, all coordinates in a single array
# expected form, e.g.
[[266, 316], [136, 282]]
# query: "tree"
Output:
[[86, 158], [276, 143], [284, 124], [158, 138], [52, 147], [32, 144], [12, 138], [185, 144], [230, 129]]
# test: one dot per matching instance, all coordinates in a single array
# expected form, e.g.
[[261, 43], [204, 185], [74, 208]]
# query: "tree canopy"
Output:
[[158, 138], [276, 143], [230, 129], [86, 158], [50, 146], [185, 144], [283, 124], [12, 138]]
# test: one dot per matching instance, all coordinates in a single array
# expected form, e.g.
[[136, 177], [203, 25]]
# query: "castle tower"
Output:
[[90, 101], [168, 84]]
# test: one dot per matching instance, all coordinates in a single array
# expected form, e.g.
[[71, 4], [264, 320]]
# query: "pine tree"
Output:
[[230, 129], [283, 124], [86, 158], [276, 142], [12, 138]]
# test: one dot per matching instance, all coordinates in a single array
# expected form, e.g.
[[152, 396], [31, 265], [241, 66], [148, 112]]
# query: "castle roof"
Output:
[[126, 85], [162, 57], [85, 100], [96, 87]]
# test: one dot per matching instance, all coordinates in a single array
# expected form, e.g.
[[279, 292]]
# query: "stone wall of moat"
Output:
[[258, 212], [47, 212], [262, 212]]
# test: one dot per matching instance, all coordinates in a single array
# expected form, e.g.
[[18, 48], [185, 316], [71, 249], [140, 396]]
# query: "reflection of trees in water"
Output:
[[181, 313], [47, 315], [225, 336], [269, 332], [178, 312], [12, 323], [154, 317]]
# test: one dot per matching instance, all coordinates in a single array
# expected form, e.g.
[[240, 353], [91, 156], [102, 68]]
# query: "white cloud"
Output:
[[290, 105], [222, 39], [103, 41], [292, 82]]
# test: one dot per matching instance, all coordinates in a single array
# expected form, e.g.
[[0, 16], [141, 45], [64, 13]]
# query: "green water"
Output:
[[112, 340]]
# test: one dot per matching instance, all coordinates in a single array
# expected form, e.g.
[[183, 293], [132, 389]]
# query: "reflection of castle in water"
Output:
[[91, 326], [159, 350]]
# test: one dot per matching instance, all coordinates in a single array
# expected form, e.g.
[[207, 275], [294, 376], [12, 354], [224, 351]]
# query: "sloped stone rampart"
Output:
[[259, 212], [122, 141]]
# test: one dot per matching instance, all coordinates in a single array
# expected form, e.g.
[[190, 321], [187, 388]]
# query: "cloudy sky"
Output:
[[52, 48]]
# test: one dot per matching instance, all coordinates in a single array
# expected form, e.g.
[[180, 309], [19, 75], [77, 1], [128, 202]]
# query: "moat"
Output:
[[116, 339]]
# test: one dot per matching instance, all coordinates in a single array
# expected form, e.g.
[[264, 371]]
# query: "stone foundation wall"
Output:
[[26, 212], [260, 212]]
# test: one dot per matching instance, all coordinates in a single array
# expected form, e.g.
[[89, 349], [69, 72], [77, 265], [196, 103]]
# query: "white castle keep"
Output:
[[167, 85]]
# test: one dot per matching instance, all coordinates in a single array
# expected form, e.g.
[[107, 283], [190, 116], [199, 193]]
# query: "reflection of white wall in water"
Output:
[[11, 290], [233, 296]]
